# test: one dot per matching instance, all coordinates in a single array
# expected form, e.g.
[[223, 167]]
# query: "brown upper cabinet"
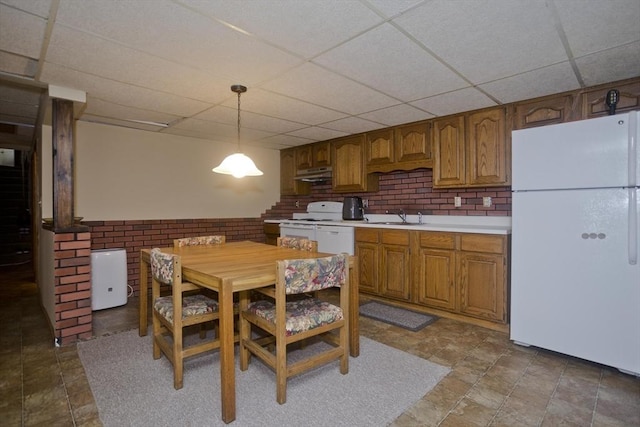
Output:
[[289, 186], [313, 155], [594, 105], [401, 148], [472, 150], [349, 171], [546, 111]]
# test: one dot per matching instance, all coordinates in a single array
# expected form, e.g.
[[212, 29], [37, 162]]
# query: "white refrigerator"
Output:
[[575, 272]]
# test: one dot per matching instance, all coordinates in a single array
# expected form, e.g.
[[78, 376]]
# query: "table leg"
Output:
[[227, 362], [354, 311], [142, 330]]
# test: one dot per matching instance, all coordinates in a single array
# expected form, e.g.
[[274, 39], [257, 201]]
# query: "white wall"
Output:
[[126, 174]]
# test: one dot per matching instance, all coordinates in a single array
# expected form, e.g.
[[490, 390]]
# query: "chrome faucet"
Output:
[[402, 214]]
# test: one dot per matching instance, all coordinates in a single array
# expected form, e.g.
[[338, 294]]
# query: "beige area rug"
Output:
[[132, 389]]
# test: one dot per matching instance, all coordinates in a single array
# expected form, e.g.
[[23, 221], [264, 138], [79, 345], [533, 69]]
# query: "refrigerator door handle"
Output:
[[633, 226], [633, 148]]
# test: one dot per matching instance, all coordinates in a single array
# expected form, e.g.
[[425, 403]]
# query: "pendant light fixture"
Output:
[[238, 164]]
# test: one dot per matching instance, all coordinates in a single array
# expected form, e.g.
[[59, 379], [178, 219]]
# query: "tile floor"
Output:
[[492, 382]]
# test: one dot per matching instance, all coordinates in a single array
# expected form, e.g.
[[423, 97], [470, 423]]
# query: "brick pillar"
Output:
[[72, 273]]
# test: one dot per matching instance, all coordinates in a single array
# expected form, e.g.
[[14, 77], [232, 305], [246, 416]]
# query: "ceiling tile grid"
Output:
[[315, 70]]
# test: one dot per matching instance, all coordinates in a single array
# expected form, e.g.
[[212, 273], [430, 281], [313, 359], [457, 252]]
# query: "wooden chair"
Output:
[[199, 240], [287, 322], [173, 313], [298, 243]]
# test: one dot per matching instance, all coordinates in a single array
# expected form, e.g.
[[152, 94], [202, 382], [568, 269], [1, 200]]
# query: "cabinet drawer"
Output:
[[483, 243], [437, 240], [367, 235], [395, 237]]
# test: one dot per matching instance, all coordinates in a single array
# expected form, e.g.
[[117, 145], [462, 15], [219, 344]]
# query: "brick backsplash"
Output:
[[409, 190]]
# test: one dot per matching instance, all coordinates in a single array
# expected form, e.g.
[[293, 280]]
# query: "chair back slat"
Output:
[[308, 275], [298, 243], [162, 266], [199, 240]]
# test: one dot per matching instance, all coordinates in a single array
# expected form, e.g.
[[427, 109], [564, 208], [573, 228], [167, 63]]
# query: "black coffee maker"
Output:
[[352, 208]]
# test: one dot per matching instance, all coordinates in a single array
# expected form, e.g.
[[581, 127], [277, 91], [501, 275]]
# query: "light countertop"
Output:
[[456, 224]]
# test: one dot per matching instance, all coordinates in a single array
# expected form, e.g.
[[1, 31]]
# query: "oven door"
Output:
[[296, 229]]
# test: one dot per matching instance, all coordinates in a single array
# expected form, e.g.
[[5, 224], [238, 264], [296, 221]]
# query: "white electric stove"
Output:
[[331, 238]]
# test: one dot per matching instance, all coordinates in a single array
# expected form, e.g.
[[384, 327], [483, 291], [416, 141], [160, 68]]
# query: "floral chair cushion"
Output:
[[200, 240], [297, 243], [308, 275], [162, 266], [193, 305], [302, 315]]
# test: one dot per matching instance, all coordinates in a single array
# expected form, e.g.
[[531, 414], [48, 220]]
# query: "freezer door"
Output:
[[584, 154], [573, 288]]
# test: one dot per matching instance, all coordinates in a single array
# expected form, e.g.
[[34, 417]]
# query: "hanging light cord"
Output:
[[239, 148]]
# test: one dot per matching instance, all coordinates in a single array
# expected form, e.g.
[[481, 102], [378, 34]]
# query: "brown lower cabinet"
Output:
[[463, 273]]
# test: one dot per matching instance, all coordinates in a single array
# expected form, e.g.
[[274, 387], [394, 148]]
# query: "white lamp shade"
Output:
[[238, 165]]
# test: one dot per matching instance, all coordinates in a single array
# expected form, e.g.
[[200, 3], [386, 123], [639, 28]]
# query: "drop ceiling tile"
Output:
[[405, 71], [228, 115], [121, 93], [27, 112], [352, 125], [454, 102], [20, 94], [545, 81], [487, 40], [17, 120], [220, 131], [120, 123], [306, 27], [610, 65], [100, 57], [337, 92], [36, 7], [17, 65], [175, 32], [101, 108], [600, 25], [284, 141], [393, 8], [317, 133], [396, 115], [20, 32], [274, 105]]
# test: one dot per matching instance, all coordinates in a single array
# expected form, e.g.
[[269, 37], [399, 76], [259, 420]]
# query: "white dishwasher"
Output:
[[335, 239]]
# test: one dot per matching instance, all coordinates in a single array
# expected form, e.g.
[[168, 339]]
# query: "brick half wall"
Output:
[[134, 235]]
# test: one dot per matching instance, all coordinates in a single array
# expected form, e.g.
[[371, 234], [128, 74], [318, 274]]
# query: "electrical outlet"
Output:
[[457, 201], [365, 203], [297, 203], [486, 202]]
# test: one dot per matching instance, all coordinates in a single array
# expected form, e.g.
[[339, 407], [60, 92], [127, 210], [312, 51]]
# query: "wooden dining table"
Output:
[[238, 267]]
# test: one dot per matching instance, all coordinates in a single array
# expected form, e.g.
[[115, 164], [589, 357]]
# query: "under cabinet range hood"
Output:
[[314, 174]]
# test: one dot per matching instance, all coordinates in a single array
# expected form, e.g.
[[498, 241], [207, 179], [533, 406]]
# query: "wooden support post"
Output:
[[63, 209]]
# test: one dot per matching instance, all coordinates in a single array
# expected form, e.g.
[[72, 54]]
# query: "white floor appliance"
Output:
[[108, 278], [575, 274], [331, 238]]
